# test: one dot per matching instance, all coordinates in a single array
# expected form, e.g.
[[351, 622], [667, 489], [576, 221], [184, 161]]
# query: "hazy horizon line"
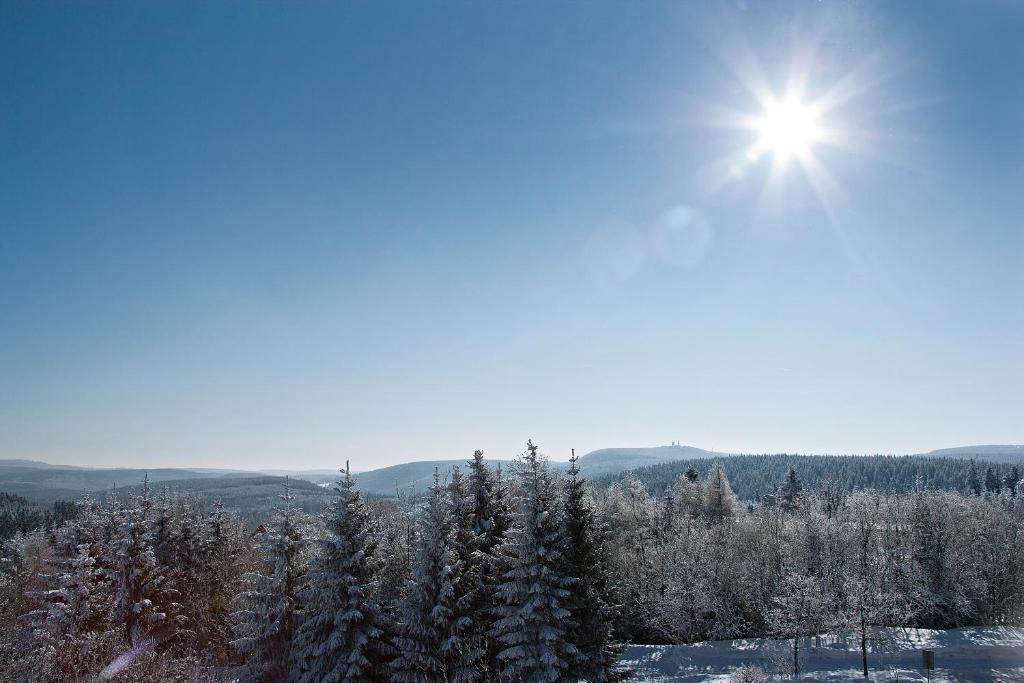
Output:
[[269, 470]]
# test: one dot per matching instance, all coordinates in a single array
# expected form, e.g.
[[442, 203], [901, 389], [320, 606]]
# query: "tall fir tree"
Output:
[[435, 642], [585, 558], [72, 622], [472, 559], [993, 483], [265, 624], [490, 521], [189, 546], [465, 540], [144, 602], [220, 547], [1012, 480], [164, 528], [973, 480], [791, 492], [341, 636], [533, 623]]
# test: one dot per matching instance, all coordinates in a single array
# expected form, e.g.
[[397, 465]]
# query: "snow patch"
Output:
[[979, 655]]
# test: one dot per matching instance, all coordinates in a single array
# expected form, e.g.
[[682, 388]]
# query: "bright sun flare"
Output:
[[800, 127], [788, 128]]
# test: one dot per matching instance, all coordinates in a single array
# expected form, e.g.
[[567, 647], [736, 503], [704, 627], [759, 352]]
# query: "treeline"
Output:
[[755, 476], [534, 575]]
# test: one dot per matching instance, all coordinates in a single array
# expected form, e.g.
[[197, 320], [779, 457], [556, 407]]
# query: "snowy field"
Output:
[[975, 655]]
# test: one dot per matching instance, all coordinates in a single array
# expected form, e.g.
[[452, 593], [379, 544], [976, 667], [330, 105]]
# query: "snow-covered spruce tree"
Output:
[[164, 531], [473, 563], [791, 492], [187, 543], [144, 603], [465, 540], [221, 548], [993, 482], [585, 559], [72, 624], [489, 512], [394, 531], [1011, 480], [340, 636], [973, 480], [435, 643], [533, 623], [265, 624], [489, 516], [24, 560], [111, 519]]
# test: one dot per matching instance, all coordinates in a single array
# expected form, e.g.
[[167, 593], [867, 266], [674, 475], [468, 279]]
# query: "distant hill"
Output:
[[598, 463], [47, 483], [418, 475], [309, 475], [36, 464], [613, 460], [249, 494], [1006, 453]]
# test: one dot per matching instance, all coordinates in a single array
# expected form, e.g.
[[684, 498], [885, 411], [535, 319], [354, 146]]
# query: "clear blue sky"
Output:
[[288, 234]]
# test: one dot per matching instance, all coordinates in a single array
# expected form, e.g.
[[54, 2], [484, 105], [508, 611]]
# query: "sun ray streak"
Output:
[[836, 206]]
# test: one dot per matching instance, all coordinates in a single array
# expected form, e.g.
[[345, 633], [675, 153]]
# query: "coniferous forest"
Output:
[[528, 573], [754, 477]]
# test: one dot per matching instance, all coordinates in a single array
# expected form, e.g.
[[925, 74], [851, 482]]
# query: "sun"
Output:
[[788, 128], [788, 137]]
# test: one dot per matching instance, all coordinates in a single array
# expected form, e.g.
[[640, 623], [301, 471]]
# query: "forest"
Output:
[[20, 515], [753, 477], [528, 573]]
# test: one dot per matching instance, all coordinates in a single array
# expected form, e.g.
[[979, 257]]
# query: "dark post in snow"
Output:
[[929, 662]]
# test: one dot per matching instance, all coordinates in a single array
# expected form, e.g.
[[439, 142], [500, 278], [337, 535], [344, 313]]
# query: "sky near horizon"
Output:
[[283, 235]]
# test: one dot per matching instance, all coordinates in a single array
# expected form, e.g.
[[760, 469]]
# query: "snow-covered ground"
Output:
[[975, 655]]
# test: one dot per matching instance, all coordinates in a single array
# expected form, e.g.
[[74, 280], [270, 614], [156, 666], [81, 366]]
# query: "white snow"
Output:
[[977, 655]]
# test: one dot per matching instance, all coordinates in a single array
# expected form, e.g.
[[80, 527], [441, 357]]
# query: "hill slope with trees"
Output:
[[754, 477]]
